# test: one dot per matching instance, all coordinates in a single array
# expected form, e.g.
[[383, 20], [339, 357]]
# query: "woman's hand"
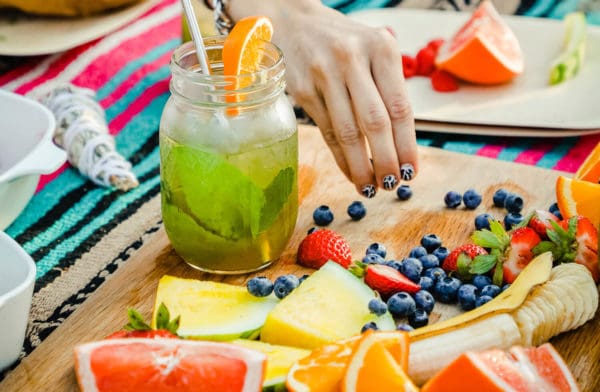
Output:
[[348, 78]]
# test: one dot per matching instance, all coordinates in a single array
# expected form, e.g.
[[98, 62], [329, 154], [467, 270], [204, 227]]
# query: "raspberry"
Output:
[[425, 61], [409, 66], [443, 82]]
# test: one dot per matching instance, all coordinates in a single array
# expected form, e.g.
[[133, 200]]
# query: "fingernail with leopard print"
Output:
[[368, 191], [389, 182], [407, 171]]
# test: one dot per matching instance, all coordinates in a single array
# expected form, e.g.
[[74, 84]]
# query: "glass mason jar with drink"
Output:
[[229, 162]]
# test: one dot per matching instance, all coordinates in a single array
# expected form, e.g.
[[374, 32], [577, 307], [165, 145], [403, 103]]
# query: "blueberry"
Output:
[[357, 210], [395, 264], [303, 278], [418, 319], [491, 289], [507, 285], [472, 199], [377, 307], [404, 192], [426, 283], [312, 230], [446, 289], [513, 203], [467, 296], [284, 285], [424, 300], [401, 304], [441, 253], [435, 274], [555, 210], [483, 299], [499, 197], [480, 281], [429, 261], [431, 242], [369, 325], [323, 216], [377, 248], [260, 286], [417, 252], [411, 268], [373, 258], [511, 220], [482, 221], [404, 327], [453, 199]]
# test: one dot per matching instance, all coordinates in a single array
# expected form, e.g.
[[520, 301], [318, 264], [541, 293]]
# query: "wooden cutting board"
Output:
[[399, 225]]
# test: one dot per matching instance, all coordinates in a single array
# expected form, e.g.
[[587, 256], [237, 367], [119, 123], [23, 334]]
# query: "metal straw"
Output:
[[194, 29]]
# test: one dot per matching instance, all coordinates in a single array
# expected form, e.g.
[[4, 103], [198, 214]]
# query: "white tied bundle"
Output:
[[81, 130]]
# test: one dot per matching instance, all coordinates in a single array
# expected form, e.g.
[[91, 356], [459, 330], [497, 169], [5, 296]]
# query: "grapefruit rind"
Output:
[[234, 313], [331, 304]]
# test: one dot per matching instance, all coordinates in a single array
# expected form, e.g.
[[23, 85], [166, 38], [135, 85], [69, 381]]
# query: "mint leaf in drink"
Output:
[[212, 192], [276, 195]]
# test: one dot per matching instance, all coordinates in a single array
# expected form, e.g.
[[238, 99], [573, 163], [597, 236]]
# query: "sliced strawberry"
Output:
[[443, 82], [409, 66], [321, 246], [470, 250], [387, 280], [425, 61], [152, 334], [586, 243], [540, 222], [519, 253]]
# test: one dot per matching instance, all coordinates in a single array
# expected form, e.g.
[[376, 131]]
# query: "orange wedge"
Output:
[[373, 367], [484, 50], [578, 197], [243, 48], [590, 168]]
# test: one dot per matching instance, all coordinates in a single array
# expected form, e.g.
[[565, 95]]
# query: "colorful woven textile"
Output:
[[79, 233]]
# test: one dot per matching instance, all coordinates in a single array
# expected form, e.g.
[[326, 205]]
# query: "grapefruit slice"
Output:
[[163, 365], [577, 197], [331, 304], [590, 168], [211, 310], [484, 50]]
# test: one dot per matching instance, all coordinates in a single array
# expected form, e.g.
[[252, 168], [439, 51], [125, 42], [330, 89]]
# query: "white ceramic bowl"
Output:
[[17, 277], [26, 152]]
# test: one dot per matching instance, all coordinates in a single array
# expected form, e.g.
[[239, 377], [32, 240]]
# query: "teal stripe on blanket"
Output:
[[510, 153], [551, 158], [124, 74], [463, 147], [65, 247], [141, 126], [540, 8]]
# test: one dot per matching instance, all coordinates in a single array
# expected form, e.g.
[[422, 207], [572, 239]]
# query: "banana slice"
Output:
[[548, 315], [555, 309], [526, 322]]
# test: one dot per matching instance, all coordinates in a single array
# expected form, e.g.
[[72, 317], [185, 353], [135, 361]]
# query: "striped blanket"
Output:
[[78, 233]]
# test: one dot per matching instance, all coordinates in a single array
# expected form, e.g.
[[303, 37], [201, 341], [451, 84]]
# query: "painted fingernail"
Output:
[[407, 171], [389, 182], [368, 191]]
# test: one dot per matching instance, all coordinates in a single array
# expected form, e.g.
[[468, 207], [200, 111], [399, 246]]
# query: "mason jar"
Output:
[[228, 162]]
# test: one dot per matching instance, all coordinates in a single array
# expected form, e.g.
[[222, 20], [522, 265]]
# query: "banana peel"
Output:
[[71, 8], [536, 272]]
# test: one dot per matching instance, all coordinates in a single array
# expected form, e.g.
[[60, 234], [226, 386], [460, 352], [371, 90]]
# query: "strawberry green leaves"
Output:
[[163, 321]]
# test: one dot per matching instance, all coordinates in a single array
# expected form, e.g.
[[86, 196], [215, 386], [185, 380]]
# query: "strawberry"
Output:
[[574, 240], [509, 251], [386, 280], [425, 61], [443, 82], [469, 250], [540, 222], [409, 66], [520, 252], [138, 328], [320, 246]]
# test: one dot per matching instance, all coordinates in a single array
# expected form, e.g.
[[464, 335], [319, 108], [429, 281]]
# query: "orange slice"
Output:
[[244, 46], [484, 50], [373, 367], [165, 365], [578, 197], [590, 168]]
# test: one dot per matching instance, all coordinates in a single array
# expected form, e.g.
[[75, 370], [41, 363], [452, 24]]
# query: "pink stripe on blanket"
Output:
[[491, 150], [576, 155], [532, 155]]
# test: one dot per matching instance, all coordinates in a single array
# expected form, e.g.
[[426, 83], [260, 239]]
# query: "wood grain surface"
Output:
[[397, 224]]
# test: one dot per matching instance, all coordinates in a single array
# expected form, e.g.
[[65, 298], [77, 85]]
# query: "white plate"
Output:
[[36, 35], [528, 101]]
